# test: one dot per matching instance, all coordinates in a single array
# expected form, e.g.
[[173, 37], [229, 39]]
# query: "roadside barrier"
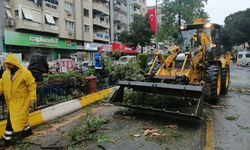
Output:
[[62, 109]]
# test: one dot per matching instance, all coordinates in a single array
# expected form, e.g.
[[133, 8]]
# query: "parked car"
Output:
[[243, 58], [125, 59]]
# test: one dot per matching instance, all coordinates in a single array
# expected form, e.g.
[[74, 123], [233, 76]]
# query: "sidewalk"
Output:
[[50, 113]]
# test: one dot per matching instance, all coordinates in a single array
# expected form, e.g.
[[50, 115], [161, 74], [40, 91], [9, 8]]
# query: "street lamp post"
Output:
[[156, 17]]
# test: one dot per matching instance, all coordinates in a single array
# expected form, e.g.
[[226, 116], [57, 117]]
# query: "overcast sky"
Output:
[[219, 9]]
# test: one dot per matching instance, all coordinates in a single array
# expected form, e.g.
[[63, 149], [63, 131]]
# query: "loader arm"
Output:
[[157, 57], [164, 69]]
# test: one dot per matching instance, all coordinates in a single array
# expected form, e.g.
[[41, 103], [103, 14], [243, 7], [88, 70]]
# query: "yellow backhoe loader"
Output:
[[197, 67]]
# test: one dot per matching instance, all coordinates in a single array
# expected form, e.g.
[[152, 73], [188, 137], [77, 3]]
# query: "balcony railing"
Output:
[[27, 24], [50, 7], [101, 8], [51, 29], [97, 21], [121, 7], [101, 36], [120, 18]]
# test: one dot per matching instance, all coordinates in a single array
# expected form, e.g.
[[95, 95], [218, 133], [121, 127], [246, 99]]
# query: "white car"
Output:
[[243, 58], [125, 59]]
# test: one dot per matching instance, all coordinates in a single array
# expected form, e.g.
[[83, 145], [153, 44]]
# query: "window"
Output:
[[68, 6], [52, 1], [8, 13], [51, 6], [16, 13], [86, 12], [56, 20], [119, 27], [49, 19], [86, 28], [69, 25], [240, 55], [247, 55], [102, 19], [27, 14], [107, 21]]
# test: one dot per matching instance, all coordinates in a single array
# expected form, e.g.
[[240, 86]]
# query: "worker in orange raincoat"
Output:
[[19, 89]]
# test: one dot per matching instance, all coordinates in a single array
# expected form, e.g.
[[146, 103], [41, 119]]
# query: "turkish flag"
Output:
[[152, 19]]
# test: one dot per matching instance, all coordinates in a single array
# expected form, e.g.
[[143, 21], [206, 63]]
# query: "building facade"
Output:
[[122, 14], [58, 27]]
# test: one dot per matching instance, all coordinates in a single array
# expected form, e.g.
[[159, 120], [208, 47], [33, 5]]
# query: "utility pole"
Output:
[[156, 17], [2, 25]]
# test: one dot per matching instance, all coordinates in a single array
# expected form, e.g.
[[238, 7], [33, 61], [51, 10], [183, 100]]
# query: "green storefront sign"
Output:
[[26, 39]]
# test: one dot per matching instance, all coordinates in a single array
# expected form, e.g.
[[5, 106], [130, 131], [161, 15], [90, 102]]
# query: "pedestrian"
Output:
[[98, 60], [1, 69], [19, 89], [57, 66], [38, 65]]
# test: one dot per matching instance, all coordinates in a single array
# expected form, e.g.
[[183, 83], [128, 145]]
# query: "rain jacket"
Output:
[[38, 62], [18, 93]]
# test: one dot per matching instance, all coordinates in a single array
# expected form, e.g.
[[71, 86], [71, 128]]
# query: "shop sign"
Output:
[[91, 46], [26, 39]]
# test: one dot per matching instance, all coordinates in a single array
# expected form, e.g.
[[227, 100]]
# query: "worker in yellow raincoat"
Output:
[[19, 89]]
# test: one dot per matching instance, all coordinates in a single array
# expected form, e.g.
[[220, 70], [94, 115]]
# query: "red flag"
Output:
[[152, 19]]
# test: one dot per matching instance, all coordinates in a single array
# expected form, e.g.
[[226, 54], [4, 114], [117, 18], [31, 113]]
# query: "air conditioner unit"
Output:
[[69, 12], [9, 23], [71, 32]]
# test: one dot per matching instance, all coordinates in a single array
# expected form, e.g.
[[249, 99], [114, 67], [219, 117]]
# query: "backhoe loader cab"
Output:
[[195, 35], [195, 68]]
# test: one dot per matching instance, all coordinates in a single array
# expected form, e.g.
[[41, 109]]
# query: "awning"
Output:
[[27, 14], [123, 48], [50, 19], [37, 17], [8, 13]]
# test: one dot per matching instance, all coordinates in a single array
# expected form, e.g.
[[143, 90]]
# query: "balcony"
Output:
[[101, 36], [120, 7], [118, 30], [51, 29], [137, 11], [50, 7], [118, 18], [99, 8], [137, 3], [29, 25], [98, 22]]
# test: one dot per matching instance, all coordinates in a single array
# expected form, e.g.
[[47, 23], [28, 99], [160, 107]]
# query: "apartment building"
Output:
[[137, 7], [58, 27], [122, 14]]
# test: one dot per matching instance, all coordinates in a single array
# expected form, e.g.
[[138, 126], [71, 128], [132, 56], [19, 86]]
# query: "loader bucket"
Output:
[[160, 88]]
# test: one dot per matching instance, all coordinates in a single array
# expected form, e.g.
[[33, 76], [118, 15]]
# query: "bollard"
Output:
[[91, 84]]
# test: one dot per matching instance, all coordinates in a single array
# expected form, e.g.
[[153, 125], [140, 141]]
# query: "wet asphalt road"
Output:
[[230, 125]]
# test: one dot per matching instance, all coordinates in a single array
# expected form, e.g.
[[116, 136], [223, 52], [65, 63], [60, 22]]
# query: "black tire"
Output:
[[212, 73], [225, 79]]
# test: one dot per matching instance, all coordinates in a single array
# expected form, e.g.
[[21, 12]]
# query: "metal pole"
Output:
[[156, 17], [2, 25]]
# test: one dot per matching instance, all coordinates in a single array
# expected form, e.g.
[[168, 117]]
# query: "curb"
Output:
[[61, 109]]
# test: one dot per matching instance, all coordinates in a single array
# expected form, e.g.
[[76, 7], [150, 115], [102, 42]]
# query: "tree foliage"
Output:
[[139, 33], [188, 10], [236, 30]]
